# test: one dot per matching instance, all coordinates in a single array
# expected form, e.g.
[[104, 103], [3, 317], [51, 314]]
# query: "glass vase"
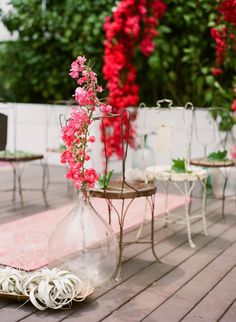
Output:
[[84, 244]]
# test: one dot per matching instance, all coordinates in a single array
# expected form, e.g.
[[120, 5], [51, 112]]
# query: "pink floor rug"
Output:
[[23, 243], [5, 166]]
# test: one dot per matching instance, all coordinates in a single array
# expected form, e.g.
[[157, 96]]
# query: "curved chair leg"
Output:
[[14, 181], [224, 197], [121, 218], [44, 185], [109, 207], [204, 207], [187, 216], [140, 230], [20, 190], [166, 186], [152, 204]]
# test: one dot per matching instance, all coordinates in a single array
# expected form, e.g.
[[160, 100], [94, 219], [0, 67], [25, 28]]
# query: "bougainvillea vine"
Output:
[[224, 33], [131, 28]]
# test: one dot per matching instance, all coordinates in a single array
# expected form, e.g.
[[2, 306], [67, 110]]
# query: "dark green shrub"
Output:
[[35, 67], [181, 66]]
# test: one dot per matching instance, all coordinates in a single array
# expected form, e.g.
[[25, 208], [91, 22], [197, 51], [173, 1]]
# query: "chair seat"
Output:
[[164, 173], [204, 162], [25, 158], [132, 189]]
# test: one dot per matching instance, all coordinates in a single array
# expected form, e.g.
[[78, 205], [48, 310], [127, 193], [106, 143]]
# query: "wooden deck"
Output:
[[189, 285]]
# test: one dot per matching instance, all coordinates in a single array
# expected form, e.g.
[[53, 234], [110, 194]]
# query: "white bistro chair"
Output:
[[186, 180]]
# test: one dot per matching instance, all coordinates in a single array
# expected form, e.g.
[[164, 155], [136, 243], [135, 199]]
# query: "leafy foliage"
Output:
[[35, 67], [178, 165], [217, 156], [104, 180], [181, 65]]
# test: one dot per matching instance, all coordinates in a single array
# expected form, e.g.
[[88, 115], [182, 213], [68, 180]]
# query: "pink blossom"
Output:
[[216, 71], [74, 74], [105, 108], [92, 139], [81, 60], [90, 177], [67, 156], [233, 152], [75, 134], [74, 71], [81, 96], [86, 157], [233, 107], [147, 46], [99, 89]]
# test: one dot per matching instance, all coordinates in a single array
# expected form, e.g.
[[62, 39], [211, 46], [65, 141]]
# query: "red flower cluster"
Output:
[[233, 107], [224, 36], [228, 10], [133, 24], [220, 37]]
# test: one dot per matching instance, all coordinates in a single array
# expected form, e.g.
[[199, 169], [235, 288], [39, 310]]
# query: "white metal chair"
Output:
[[17, 159], [185, 181], [217, 141]]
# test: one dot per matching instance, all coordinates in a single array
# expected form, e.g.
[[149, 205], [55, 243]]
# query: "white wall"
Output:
[[36, 127]]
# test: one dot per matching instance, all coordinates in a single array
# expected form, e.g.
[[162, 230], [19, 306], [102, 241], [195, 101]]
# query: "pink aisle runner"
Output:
[[23, 243], [5, 166]]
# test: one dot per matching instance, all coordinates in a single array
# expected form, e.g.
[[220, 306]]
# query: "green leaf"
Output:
[[104, 180], [178, 165], [217, 156], [210, 79]]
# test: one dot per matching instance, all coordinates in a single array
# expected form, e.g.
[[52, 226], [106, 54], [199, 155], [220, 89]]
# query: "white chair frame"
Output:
[[164, 175]]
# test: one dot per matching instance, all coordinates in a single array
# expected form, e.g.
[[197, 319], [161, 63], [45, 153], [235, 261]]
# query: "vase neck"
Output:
[[83, 196]]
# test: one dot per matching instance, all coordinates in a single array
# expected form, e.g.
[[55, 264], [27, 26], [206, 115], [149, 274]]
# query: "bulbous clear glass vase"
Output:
[[84, 244]]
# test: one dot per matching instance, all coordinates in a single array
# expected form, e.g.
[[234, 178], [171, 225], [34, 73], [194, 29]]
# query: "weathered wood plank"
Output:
[[219, 299], [130, 268], [165, 287], [230, 314], [139, 270], [195, 289], [119, 295], [4, 302], [14, 312]]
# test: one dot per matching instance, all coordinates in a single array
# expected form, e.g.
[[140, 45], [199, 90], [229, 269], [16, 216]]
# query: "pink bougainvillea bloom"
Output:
[[90, 176], [86, 157], [233, 152], [81, 60], [216, 71], [74, 74], [75, 134], [92, 139], [105, 108], [74, 71], [99, 89], [233, 107], [82, 96]]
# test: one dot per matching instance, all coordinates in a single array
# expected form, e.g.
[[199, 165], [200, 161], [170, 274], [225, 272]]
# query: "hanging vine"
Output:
[[224, 34], [131, 28]]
